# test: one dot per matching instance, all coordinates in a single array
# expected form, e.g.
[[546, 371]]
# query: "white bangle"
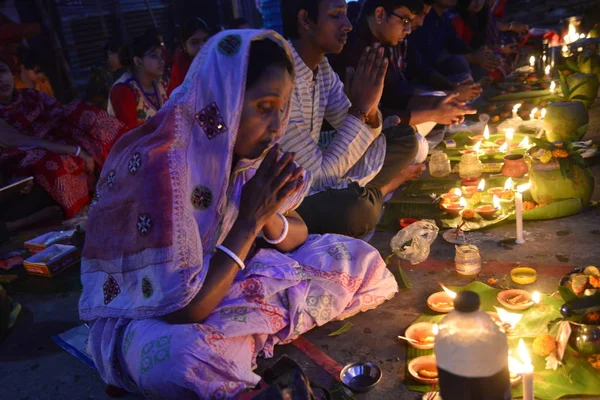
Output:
[[232, 255], [281, 238], [78, 151]]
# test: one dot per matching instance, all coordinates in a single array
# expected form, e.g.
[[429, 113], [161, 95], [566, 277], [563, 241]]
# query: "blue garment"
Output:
[[271, 13], [436, 38]]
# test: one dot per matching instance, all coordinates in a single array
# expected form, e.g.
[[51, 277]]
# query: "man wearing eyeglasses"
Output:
[[387, 23]]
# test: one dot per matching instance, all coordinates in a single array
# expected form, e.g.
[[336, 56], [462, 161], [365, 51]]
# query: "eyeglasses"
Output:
[[403, 20]]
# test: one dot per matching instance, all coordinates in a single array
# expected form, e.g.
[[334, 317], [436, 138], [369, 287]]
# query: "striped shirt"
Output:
[[354, 154]]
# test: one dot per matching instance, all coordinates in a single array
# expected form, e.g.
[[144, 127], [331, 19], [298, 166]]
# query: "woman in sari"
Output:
[[179, 299], [140, 92], [193, 34], [62, 147]]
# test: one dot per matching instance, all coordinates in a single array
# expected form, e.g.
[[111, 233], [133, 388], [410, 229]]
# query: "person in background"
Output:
[[193, 34], [141, 91], [239, 23], [436, 45], [30, 75], [357, 167], [62, 146], [180, 289], [104, 75]]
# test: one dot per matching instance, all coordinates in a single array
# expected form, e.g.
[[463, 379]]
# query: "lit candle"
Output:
[[515, 110], [457, 192], [532, 61], [533, 112], [527, 370], [547, 71], [508, 185], [544, 58], [552, 87], [509, 319], [462, 202], [502, 149], [477, 147], [496, 201], [486, 133], [543, 113], [510, 133], [481, 186], [519, 211], [524, 143], [582, 36]]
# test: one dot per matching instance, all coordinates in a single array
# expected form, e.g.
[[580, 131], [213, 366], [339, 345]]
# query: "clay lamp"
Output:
[[470, 181], [488, 211], [455, 208]]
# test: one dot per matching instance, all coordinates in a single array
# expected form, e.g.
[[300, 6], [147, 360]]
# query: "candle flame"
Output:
[[516, 108], [457, 192], [481, 186], [547, 70], [508, 184], [435, 329], [508, 318], [533, 112], [503, 148], [449, 292], [543, 113], [524, 187], [510, 133], [514, 366], [462, 202], [582, 36], [524, 143], [565, 49], [544, 58], [536, 297], [532, 61], [496, 201], [486, 133], [552, 87], [524, 353], [477, 147]]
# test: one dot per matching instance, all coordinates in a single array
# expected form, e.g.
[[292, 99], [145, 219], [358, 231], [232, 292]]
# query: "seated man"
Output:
[[387, 23], [356, 169], [436, 45]]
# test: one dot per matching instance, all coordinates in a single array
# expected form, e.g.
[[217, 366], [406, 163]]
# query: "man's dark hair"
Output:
[[353, 11], [140, 46], [28, 58], [289, 15], [265, 53], [189, 27], [236, 23], [114, 45], [414, 6]]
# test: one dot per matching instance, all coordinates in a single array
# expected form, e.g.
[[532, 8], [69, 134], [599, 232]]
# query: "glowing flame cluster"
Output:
[[449, 292], [508, 318], [486, 133], [496, 201], [481, 186]]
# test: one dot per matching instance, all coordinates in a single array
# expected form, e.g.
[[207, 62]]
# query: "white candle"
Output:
[[552, 87], [547, 71], [527, 369], [515, 110], [533, 112], [519, 211], [532, 61], [486, 133], [510, 132]]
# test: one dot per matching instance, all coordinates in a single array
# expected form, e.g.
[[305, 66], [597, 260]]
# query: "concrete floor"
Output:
[[32, 367]]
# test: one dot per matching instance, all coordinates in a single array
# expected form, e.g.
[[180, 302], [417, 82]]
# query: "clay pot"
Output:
[[515, 166]]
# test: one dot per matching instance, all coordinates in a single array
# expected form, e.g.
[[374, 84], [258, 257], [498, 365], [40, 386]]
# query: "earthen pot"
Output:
[[515, 166]]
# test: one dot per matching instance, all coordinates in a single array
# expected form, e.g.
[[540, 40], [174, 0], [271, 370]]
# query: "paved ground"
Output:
[[33, 367]]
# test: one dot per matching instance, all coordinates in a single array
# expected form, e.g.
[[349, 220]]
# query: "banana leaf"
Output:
[[476, 223], [577, 377], [464, 142], [521, 95], [560, 209]]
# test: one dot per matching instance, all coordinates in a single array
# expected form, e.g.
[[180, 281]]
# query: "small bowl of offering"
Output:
[[470, 181], [440, 302], [469, 191], [361, 376], [515, 299], [422, 332], [450, 197], [453, 208], [486, 211], [424, 370]]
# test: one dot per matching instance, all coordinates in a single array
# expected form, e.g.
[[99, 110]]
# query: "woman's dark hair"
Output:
[[289, 15], [265, 53], [414, 6], [189, 27], [477, 22], [139, 47], [353, 11], [236, 23], [114, 45]]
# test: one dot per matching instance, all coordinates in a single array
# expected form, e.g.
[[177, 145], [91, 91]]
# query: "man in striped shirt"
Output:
[[359, 166]]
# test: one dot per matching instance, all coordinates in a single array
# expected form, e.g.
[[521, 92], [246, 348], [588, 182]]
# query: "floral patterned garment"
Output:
[[166, 197], [36, 114]]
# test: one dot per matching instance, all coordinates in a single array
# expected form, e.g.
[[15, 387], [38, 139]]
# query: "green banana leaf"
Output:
[[463, 142], [577, 377], [521, 95], [477, 223], [560, 209]]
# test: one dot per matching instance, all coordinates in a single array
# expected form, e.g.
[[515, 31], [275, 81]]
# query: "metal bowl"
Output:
[[361, 376]]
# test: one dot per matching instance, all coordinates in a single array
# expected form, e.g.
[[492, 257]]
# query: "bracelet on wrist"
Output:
[[232, 255], [78, 151], [358, 113], [284, 233]]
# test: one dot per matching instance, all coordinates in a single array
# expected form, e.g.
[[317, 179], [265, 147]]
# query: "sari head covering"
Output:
[[167, 195]]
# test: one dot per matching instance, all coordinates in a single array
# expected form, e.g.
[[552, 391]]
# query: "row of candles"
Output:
[[524, 366]]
